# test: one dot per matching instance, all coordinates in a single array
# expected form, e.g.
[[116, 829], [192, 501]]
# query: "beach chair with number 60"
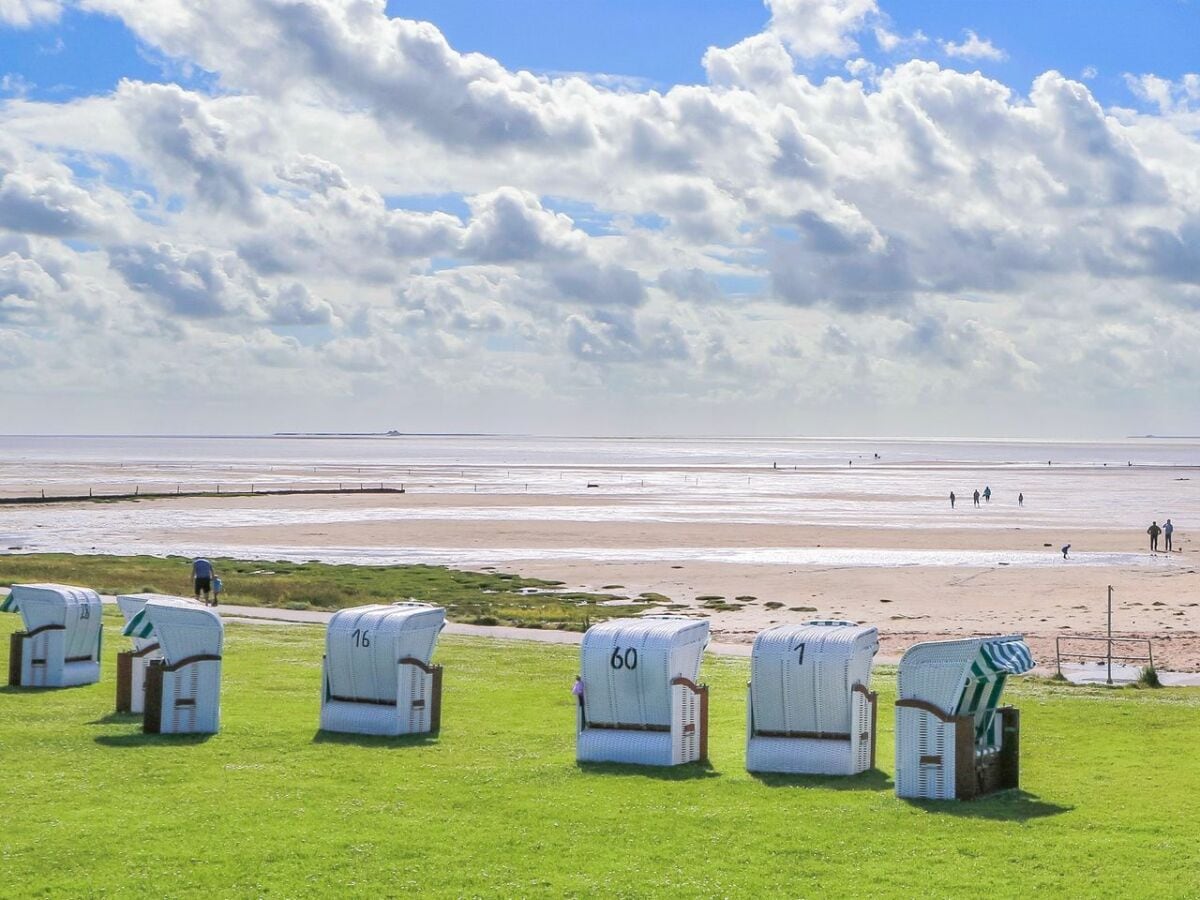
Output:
[[641, 700]]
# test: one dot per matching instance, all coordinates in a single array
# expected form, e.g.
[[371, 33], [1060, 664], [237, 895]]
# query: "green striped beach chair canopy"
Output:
[[139, 626], [964, 678]]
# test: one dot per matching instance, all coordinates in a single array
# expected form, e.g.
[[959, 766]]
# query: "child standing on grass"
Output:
[[217, 586]]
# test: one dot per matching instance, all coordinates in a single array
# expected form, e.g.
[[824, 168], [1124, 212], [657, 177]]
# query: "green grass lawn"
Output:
[[482, 598], [496, 805]]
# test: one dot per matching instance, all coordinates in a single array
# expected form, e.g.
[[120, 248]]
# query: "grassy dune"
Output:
[[484, 598], [496, 806]]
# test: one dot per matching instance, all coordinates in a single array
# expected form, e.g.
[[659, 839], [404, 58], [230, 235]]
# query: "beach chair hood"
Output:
[[803, 676], [132, 604], [364, 644], [947, 673], [183, 629], [75, 609], [629, 664]]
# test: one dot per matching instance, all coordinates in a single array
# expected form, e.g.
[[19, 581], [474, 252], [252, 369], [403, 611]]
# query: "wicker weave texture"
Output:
[[804, 714], [192, 638], [192, 699], [936, 673], [67, 625], [636, 709], [378, 677]]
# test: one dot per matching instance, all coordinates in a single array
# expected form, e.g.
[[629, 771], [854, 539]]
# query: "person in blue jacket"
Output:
[[202, 580]]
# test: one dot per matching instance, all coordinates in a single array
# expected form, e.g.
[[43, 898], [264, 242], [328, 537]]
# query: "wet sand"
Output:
[[1156, 596]]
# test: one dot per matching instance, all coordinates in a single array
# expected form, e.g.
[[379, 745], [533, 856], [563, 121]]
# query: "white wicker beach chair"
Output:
[[60, 646], [132, 664], [810, 708], [952, 740], [378, 674], [641, 699], [183, 686]]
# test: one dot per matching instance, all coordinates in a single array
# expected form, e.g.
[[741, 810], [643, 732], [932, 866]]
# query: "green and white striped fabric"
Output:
[[8, 604], [1010, 656], [139, 626], [993, 664]]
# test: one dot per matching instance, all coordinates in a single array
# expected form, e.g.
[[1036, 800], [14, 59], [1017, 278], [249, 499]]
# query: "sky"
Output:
[[813, 217]]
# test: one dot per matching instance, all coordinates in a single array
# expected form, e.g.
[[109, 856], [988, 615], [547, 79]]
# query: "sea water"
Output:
[[1069, 487]]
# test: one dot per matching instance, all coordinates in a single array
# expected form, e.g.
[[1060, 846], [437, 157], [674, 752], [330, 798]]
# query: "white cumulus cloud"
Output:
[[973, 47], [24, 13], [816, 28], [358, 214]]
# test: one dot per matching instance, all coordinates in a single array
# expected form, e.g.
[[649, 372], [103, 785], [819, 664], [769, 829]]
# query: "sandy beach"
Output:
[[743, 546], [907, 602], [1155, 595]]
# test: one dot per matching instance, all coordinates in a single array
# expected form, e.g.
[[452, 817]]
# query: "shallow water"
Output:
[[826, 557], [1089, 486]]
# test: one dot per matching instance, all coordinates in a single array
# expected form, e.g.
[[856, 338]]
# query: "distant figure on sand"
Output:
[[1065, 549], [977, 496], [952, 499], [987, 494], [1154, 531], [202, 576], [1020, 499], [1168, 530]]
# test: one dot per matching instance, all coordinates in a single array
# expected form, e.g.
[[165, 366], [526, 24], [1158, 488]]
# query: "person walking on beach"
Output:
[[987, 494], [1020, 499], [202, 576], [1154, 531], [1066, 550], [952, 499], [1168, 530], [976, 496]]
